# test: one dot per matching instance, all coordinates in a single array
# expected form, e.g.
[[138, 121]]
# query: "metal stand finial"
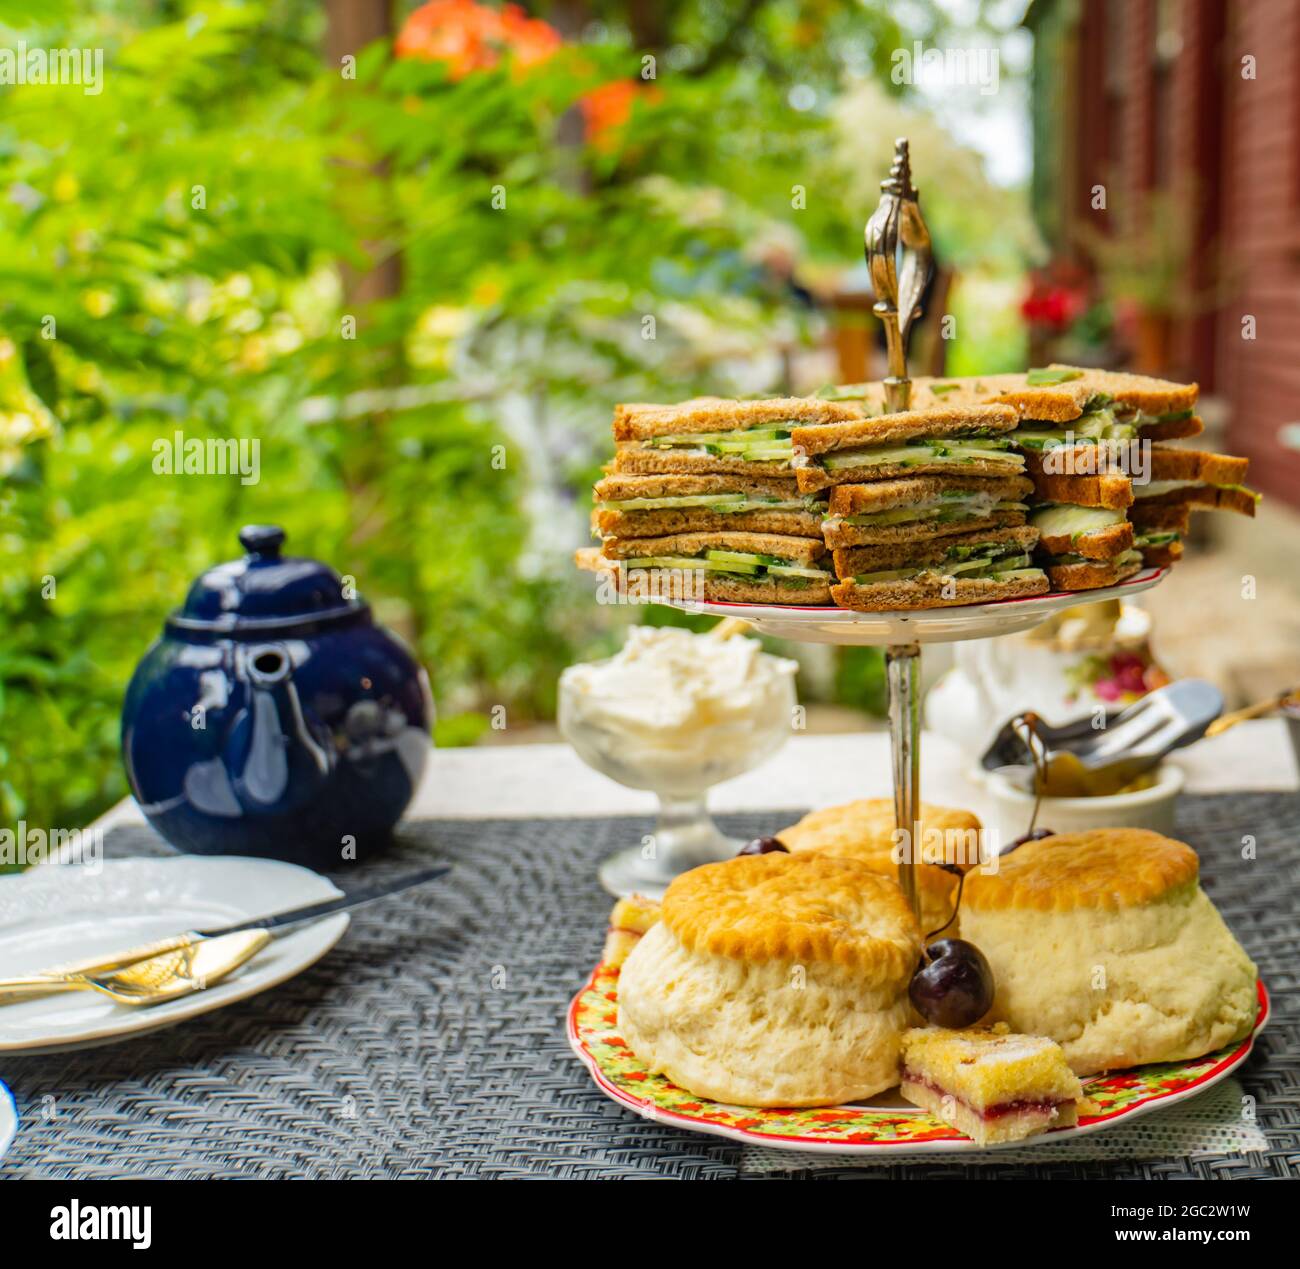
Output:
[[900, 260]]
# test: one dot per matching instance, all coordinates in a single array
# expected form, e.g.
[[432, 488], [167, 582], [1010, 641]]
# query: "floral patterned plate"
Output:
[[900, 1129]]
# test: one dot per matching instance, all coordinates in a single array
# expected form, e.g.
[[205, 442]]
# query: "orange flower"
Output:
[[469, 37], [608, 108]]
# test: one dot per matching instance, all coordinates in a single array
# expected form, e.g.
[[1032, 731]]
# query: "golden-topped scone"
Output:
[[864, 830], [1105, 942], [799, 908], [773, 980]]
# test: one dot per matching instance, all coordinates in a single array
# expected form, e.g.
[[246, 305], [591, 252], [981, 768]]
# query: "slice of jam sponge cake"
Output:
[[628, 920], [988, 1083]]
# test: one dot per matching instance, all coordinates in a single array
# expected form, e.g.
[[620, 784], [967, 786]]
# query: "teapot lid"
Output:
[[265, 589]]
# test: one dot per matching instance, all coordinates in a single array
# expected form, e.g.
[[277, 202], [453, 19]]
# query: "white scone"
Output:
[[864, 830], [773, 980], [1105, 942]]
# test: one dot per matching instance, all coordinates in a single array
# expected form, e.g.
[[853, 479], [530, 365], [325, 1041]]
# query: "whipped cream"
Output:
[[677, 712]]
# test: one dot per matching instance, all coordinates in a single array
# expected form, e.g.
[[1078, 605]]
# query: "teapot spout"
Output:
[[277, 732]]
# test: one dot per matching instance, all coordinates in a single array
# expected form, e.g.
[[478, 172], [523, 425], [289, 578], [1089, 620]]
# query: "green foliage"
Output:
[[175, 255]]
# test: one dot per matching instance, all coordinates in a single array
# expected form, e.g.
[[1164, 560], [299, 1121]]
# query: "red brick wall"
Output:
[[1232, 147], [1198, 98], [1137, 160], [1261, 182]]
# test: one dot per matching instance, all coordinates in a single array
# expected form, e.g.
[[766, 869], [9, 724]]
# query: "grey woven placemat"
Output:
[[430, 1041]]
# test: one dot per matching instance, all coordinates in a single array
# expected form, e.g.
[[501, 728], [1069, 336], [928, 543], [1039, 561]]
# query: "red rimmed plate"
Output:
[[899, 1129]]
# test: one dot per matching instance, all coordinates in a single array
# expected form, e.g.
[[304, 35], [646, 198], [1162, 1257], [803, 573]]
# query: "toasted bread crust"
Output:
[[622, 485], [713, 414], [1153, 514], [1162, 556], [1059, 403], [1111, 490], [766, 590], [854, 560], [631, 459], [674, 520], [1053, 403], [1091, 576], [1172, 429], [1142, 392], [798, 550], [713, 589], [884, 495], [1100, 544], [1082, 461], [907, 425], [659, 522], [1170, 462], [930, 593], [1206, 498], [848, 535], [814, 479]]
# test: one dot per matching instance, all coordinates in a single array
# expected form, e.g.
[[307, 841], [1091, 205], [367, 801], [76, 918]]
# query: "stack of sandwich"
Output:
[[926, 507], [988, 488], [1181, 481], [1082, 434], [708, 488], [1110, 493]]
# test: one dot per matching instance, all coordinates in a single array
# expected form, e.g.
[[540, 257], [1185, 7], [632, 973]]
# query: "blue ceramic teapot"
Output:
[[274, 717]]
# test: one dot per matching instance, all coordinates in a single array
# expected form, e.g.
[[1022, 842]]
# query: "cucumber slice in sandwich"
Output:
[[1086, 430], [796, 570], [668, 561], [978, 566], [741, 563], [744, 436], [1143, 419], [1061, 518], [1127, 557], [948, 453], [959, 507], [713, 501]]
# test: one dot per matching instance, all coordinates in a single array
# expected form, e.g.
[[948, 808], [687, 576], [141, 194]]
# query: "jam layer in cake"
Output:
[[989, 1084]]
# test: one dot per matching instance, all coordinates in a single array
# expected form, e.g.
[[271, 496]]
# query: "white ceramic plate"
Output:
[[65, 913], [8, 1120], [821, 624]]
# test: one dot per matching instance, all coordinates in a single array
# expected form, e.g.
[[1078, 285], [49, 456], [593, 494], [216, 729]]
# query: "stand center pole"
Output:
[[903, 674]]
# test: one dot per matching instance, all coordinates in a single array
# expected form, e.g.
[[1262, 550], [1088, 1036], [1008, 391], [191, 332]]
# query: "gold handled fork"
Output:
[[1290, 697], [153, 980]]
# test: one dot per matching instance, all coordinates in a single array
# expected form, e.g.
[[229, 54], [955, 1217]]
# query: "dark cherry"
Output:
[[1034, 835], [763, 846], [953, 987]]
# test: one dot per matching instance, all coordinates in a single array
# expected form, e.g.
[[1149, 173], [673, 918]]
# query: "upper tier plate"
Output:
[[929, 625]]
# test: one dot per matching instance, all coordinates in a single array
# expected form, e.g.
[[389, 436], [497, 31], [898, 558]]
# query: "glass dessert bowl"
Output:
[[676, 713]]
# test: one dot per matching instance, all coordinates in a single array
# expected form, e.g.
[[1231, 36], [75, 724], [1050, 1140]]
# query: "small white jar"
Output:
[[1151, 808]]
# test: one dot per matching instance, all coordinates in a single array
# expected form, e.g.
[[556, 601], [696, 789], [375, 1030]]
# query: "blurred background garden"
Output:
[[419, 251]]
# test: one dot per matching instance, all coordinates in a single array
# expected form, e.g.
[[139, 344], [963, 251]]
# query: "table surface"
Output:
[[430, 1041]]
